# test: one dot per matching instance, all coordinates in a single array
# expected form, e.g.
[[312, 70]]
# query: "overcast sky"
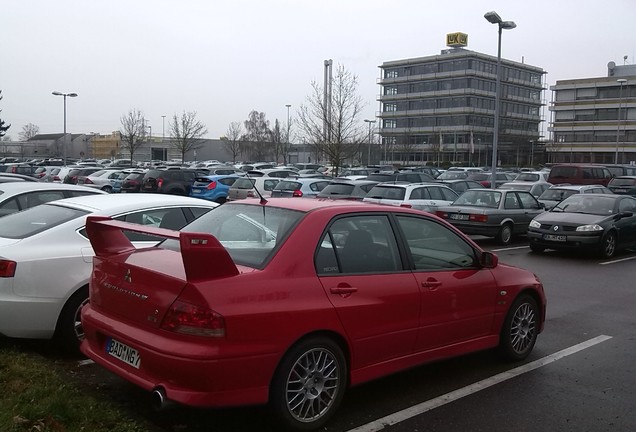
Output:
[[225, 58]]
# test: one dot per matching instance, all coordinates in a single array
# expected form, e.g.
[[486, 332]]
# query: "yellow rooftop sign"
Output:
[[457, 39]]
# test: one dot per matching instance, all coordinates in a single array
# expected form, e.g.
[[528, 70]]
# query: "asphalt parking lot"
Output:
[[580, 376]]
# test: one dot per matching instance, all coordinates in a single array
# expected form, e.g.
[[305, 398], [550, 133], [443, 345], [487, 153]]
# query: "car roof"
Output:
[[125, 202], [19, 187], [575, 187]]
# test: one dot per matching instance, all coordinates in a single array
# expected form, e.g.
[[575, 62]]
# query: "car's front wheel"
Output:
[[504, 236], [520, 329], [608, 245], [309, 384]]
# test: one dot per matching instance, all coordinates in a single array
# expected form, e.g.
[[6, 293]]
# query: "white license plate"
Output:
[[554, 237], [196, 191], [123, 352], [459, 216], [619, 190]]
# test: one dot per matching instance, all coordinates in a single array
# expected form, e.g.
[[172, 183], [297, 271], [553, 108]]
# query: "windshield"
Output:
[[583, 203], [556, 194], [250, 233], [479, 198], [35, 220]]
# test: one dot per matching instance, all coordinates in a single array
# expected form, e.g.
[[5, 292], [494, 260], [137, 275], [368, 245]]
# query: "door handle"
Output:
[[344, 291], [431, 283]]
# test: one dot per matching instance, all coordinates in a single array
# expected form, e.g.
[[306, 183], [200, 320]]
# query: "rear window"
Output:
[[337, 189], [36, 220], [387, 192], [244, 183], [622, 182], [563, 172], [288, 185]]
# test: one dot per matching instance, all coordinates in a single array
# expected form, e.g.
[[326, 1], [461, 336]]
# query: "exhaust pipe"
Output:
[[159, 400]]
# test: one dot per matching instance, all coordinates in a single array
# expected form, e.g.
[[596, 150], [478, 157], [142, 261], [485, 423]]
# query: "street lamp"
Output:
[[369, 148], [163, 128], [285, 154], [621, 81], [494, 18], [57, 93]]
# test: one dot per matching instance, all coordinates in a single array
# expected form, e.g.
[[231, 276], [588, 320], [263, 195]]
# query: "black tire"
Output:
[[608, 245], [504, 237], [520, 329], [309, 384], [536, 248], [69, 332], [220, 200]]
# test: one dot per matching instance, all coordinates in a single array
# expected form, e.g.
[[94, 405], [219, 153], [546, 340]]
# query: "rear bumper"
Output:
[[192, 371], [476, 229]]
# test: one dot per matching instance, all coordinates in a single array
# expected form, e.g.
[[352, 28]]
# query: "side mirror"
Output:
[[626, 214], [488, 260]]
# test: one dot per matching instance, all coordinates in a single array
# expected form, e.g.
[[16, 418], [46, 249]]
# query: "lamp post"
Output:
[[288, 125], [369, 145], [57, 93], [621, 81], [163, 128], [494, 18]]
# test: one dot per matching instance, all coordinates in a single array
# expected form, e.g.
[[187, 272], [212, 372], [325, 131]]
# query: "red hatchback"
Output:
[[291, 301]]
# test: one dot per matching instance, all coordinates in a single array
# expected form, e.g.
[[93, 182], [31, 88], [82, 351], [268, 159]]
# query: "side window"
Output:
[[434, 246], [511, 201], [627, 205], [9, 206], [78, 193], [36, 198], [527, 200], [197, 212], [587, 173], [268, 185], [435, 193], [358, 244], [448, 195], [162, 218]]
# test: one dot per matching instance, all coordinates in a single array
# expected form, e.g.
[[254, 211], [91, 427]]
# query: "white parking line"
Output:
[[618, 260], [511, 248], [429, 405]]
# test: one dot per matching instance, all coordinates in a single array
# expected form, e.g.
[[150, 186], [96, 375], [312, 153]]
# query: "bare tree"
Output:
[[28, 131], [277, 138], [232, 140], [133, 131], [344, 132], [186, 132], [3, 126], [258, 135]]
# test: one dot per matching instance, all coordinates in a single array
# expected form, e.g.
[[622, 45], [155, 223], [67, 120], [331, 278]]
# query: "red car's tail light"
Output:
[[212, 185], [56, 178], [297, 193], [88, 181], [406, 205], [7, 268], [478, 218], [193, 320], [250, 194], [159, 183], [441, 214]]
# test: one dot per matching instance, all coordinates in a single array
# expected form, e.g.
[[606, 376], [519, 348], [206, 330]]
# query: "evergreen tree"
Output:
[[3, 128]]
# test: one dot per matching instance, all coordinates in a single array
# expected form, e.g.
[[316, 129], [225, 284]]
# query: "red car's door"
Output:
[[376, 300], [458, 298]]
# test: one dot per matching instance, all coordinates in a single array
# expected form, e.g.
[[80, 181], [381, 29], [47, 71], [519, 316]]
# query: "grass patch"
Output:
[[36, 396]]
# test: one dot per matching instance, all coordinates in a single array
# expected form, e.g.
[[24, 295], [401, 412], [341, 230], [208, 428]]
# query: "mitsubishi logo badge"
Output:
[[555, 228], [127, 277]]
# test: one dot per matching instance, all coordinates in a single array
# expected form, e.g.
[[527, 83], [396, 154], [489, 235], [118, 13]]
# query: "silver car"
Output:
[[498, 213]]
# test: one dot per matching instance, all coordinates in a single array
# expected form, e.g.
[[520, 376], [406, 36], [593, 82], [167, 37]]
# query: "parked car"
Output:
[[579, 174], [535, 188], [532, 176], [102, 179], [212, 188], [251, 187], [46, 258], [356, 173], [453, 175], [132, 182], [18, 168], [486, 178], [18, 196], [9, 177], [176, 181], [347, 189], [555, 194], [273, 172], [299, 187], [460, 185], [75, 173], [409, 177], [498, 213], [420, 196], [619, 170], [623, 185], [605, 223], [293, 301]]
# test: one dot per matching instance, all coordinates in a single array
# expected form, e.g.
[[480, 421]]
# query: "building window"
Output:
[[390, 90], [390, 124], [390, 107]]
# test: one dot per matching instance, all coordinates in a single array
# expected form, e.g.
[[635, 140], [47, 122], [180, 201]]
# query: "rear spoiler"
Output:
[[204, 257]]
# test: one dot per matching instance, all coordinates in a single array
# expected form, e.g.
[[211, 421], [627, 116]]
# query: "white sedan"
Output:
[[46, 258]]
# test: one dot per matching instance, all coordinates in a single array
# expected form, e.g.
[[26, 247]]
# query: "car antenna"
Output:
[[263, 200]]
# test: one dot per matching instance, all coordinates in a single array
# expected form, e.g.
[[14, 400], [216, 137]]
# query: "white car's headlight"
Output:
[[594, 227], [534, 224]]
